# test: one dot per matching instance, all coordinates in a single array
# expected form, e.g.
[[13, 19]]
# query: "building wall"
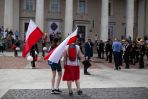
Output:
[[117, 20], [54, 16], [92, 19]]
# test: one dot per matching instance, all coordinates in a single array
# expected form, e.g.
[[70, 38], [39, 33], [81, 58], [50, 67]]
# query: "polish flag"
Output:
[[55, 55], [33, 34]]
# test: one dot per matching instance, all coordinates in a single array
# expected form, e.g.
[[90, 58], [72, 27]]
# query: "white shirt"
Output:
[[73, 63]]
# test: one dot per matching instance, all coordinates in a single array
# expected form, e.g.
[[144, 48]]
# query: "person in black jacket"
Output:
[[141, 54], [32, 53], [88, 54], [127, 54], [137, 49], [17, 44], [44, 38], [133, 53], [108, 50], [101, 49]]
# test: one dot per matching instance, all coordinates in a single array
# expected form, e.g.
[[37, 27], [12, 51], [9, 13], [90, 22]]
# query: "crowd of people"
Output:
[[9, 40], [128, 51]]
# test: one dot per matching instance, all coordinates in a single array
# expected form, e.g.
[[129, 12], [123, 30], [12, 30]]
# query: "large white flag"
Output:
[[55, 55], [32, 36]]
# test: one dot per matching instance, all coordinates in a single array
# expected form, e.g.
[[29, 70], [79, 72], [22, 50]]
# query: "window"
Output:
[[81, 6], [26, 24], [110, 8], [55, 6], [29, 5]]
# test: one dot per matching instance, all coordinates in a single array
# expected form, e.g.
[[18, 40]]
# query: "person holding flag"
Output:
[[55, 55], [72, 55], [55, 67], [33, 34]]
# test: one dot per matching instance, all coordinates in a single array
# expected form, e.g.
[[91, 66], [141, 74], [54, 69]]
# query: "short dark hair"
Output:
[[55, 40]]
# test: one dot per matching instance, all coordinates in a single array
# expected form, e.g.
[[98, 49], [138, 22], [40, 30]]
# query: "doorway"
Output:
[[81, 33]]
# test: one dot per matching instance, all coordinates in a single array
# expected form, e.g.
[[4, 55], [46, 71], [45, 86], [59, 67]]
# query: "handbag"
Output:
[[86, 63]]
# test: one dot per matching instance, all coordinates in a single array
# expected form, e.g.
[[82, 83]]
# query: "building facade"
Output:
[[100, 19]]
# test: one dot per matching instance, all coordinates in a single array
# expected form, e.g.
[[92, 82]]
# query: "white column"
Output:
[[129, 18], [39, 18], [141, 18], [68, 17], [8, 14], [104, 21]]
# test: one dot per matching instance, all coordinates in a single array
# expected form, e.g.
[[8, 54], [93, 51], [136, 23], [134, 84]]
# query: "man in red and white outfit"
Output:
[[72, 70]]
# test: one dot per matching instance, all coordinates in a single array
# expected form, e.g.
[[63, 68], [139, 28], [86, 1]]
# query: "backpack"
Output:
[[72, 52]]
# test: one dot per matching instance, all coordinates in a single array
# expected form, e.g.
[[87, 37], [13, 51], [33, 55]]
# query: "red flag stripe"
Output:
[[48, 55], [55, 55], [72, 40], [32, 39]]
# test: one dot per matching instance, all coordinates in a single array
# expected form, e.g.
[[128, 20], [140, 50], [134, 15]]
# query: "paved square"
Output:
[[88, 93]]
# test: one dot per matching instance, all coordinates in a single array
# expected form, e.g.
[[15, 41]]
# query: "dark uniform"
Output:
[[108, 50], [43, 45], [44, 38], [141, 56], [127, 55], [101, 49], [17, 44], [147, 50], [88, 54], [133, 54], [97, 46], [33, 52], [137, 49]]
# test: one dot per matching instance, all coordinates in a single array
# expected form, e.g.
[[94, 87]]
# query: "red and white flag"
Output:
[[33, 34], [55, 55]]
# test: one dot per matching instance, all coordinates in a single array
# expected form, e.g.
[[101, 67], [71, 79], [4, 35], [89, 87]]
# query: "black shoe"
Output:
[[58, 91], [115, 68], [80, 92], [126, 67], [33, 68], [53, 91], [87, 73], [119, 68], [70, 93]]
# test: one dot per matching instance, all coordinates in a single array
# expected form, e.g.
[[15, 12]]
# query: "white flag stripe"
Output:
[[32, 26], [57, 53]]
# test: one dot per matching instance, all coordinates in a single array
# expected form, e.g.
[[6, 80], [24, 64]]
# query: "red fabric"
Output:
[[72, 40], [71, 73], [48, 55], [36, 57], [72, 52], [32, 39]]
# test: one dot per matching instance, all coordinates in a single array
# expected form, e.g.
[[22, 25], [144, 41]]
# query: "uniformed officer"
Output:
[[141, 54], [127, 54]]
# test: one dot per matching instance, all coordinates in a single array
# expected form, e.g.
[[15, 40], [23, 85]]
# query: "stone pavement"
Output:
[[93, 93], [100, 78], [15, 75], [8, 61]]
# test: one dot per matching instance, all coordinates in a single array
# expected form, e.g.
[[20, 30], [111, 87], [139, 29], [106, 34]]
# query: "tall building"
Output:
[[100, 19]]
